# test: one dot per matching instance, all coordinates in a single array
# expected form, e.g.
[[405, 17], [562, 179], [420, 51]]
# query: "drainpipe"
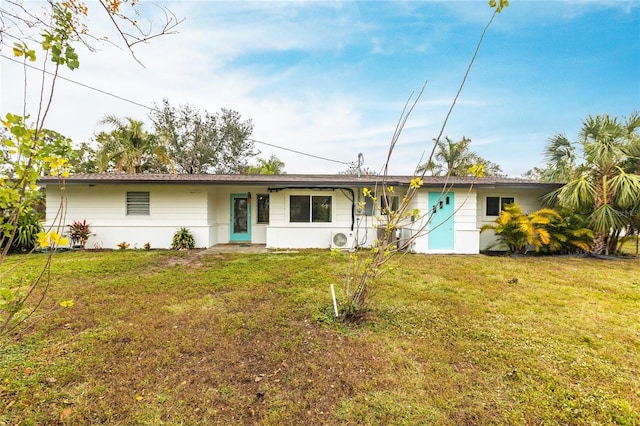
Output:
[[353, 208]]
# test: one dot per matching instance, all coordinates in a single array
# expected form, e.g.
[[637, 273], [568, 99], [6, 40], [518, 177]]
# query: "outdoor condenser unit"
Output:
[[344, 240]]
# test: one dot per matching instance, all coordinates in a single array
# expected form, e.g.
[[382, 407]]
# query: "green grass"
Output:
[[169, 338]]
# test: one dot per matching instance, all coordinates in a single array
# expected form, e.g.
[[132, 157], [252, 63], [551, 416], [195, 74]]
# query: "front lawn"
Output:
[[168, 338]]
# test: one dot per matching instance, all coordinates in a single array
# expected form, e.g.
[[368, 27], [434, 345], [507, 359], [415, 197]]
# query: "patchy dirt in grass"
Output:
[[216, 338], [194, 257]]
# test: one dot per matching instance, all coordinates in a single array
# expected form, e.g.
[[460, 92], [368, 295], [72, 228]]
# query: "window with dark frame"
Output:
[[389, 202], [310, 208], [496, 204], [394, 200], [263, 208], [299, 208], [321, 208], [138, 203]]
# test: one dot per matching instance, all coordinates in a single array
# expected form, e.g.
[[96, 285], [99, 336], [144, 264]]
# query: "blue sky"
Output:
[[331, 78]]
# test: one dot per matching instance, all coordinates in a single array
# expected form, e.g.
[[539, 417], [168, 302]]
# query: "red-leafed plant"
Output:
[[79, 233]]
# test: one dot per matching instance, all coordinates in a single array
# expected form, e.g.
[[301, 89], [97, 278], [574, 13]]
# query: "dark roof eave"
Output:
[[292, 181]]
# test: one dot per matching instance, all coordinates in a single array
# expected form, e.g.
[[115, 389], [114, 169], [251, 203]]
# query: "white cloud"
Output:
[[331, 78]]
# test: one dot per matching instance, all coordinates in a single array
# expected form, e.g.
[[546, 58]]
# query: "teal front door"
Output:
[[240, 224], [441, 225]]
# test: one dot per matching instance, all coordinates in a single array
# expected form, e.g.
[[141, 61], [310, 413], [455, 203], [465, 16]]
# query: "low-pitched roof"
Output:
[[293, 180]]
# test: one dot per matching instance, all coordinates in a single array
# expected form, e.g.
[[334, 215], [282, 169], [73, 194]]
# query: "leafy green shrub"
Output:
[[182, 240], [569, 234], [517, 231], [27, 229], [546, 230]]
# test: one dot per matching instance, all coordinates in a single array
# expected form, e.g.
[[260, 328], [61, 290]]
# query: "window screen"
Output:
[[321, 208], [389, 203], [392, 201], [505, 201]]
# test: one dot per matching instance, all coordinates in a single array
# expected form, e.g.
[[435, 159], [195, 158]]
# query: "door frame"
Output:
[[442, 228], [239, 237]]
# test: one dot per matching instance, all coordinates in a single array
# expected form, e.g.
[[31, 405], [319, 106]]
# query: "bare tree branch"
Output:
[[169, 25]]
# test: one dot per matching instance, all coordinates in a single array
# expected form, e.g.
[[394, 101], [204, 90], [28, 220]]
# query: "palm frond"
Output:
[[582, 245], [544, 236], [633, 122], [560, 155], [605, 218], [626, 187], [603, 139], [551, 198], [582, 232], [577, 193]]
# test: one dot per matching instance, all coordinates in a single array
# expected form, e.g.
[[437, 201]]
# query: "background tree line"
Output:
[[182, 140], [185, 140], [450, 158]]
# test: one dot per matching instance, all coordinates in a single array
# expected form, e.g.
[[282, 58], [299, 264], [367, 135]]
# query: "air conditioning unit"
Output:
[[343, 240], [404, 240]]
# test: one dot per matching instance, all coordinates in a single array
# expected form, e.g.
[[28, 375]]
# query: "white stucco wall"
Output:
[[204, 210], [212, 210], [466, 232], [104, 208], [219, 217]]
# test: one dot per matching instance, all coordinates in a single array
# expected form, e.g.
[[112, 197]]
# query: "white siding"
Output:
[[212, 210], [205, 211], [219, 219], [104, 208], [466, 233]]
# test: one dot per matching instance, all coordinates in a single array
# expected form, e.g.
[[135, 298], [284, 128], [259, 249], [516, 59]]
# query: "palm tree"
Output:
[[568, 234], [128, 148], [455, 159], [454, 156], [606, 186], [272, 166], [517, 231]]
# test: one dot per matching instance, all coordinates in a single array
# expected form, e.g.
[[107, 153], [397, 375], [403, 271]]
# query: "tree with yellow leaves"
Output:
[[28, 149], [366, 268]]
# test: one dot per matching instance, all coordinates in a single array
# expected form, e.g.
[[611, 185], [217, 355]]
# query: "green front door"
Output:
[[240, 224]]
